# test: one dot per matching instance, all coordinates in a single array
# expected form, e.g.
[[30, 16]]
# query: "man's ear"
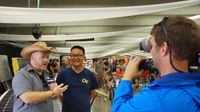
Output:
[[165, 49]]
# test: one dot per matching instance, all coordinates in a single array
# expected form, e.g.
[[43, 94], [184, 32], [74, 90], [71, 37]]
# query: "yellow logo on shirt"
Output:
[[84, 81]]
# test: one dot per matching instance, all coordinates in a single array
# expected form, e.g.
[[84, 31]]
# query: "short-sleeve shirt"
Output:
[[99, 67], [76, 98], [27, 80]]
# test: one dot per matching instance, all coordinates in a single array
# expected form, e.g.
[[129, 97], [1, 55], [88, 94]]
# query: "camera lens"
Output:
[[142, 65], [145, 45]]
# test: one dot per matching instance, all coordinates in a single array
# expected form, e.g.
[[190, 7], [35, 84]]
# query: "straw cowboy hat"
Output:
[[38, 46]]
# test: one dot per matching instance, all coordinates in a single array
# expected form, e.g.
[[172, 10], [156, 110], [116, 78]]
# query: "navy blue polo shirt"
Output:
[[76, 98]]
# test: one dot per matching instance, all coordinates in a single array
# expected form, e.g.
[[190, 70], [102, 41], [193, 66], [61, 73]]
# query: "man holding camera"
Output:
[[174, 42]]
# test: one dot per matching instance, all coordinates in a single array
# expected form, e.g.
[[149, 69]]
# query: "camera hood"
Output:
[[145, 45]]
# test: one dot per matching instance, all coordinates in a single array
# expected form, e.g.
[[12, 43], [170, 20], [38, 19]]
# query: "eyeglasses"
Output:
[[76, 56]]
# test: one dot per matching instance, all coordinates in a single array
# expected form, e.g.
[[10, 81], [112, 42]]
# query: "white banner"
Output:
[[12, 37], [56, 15]]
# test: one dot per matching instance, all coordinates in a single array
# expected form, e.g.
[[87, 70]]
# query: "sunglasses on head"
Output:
[[163, 26], [145, 44]]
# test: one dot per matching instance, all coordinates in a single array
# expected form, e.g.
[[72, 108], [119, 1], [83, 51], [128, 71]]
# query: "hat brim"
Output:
[[27, 51]]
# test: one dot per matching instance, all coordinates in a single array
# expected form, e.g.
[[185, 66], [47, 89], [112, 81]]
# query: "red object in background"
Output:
[[145, 73], [119, 74]]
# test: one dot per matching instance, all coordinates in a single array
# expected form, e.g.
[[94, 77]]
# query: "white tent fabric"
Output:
[[12, 37], [56, 15]]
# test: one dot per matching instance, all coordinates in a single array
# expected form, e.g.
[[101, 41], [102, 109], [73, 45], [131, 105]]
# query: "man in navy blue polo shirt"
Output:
[[81, 81], [174, 41]]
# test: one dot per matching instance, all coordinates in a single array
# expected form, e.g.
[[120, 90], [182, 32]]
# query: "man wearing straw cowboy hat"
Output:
[[31, 91]]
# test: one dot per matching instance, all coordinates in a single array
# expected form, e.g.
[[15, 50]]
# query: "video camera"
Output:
[[146, 64], [194, 63], [145, 45]]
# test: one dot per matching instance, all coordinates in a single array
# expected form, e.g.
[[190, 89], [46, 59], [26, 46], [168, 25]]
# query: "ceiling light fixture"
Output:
[[36, 31]]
